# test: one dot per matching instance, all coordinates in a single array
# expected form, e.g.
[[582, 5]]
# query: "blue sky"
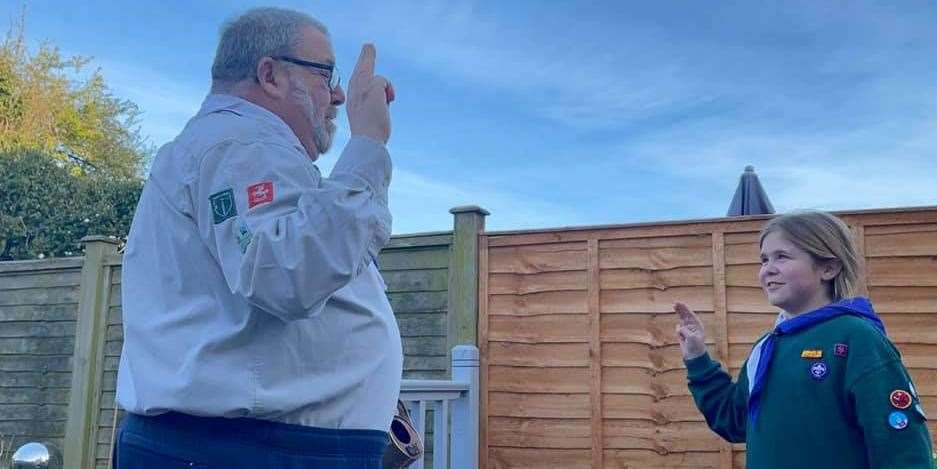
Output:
[[582, 113]]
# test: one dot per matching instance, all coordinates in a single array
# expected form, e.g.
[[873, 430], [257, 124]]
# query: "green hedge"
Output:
[[47, 206]]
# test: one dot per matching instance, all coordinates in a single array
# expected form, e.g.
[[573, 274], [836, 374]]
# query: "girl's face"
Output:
[[791, 279]]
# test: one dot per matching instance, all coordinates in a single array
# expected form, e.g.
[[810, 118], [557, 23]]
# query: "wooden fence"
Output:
[[61, 332], [580, 364]]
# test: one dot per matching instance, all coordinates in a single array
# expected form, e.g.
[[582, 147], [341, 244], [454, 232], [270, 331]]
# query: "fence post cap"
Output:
[[469, 209], [464, 353], [100, 239]]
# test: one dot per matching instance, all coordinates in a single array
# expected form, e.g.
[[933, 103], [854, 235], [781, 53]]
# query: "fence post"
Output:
[[465, 411], [88, 357], [463, 275]]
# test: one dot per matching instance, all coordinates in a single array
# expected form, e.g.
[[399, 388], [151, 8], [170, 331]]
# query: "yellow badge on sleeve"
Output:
[[808, 353]]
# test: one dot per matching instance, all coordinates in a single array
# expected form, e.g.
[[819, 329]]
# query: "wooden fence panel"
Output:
[[38, 310]]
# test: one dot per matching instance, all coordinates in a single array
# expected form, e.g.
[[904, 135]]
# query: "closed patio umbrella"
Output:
[[750, 198]]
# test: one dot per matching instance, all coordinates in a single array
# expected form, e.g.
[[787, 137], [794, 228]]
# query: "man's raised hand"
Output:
[[368, 98]]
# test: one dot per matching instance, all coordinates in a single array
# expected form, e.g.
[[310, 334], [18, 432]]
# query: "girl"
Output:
[[826, 387]]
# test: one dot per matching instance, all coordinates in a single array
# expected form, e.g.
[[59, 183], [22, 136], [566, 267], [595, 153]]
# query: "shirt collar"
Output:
[[242, 107]]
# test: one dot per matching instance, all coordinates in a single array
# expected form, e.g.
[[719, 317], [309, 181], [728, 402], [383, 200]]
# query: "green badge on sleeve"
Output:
[[244, 235], [223, 206]]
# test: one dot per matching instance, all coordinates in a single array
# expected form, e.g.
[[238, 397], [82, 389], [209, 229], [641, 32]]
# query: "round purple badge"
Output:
[[818, 370]]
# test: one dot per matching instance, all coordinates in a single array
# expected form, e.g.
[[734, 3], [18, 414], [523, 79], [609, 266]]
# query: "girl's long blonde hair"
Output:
[[826, 238]]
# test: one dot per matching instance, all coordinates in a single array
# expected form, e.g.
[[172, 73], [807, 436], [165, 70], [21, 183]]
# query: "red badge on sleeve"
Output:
[[260, 193], [900, 399]]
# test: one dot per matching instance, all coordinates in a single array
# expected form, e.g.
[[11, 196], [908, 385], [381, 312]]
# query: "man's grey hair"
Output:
[[258, 33]]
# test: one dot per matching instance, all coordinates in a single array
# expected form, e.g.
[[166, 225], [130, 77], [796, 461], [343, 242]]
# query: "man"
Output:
[[256, 329]]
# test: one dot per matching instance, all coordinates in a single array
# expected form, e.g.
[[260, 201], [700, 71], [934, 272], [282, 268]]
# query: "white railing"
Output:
[[458, 398]]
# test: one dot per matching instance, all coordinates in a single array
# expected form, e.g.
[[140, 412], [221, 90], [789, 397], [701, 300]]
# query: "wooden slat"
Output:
[[45, 265], [573, 406], [416, 302], [625, 279], [595, 352], [556, 328], [430, 324], [537, 380], [440, 238], [657, 358], [901, 228], [42, 279], [917, 243], [903, 271], [676, 437], [649, 408], [424, 280], [904, 299], [750, 237], [537, 259], [743, 253], [40, 296], [522, 284], [655, 258], [539, 355], [655, 330], [743, 275], [563, 302], [540, 433], [918, 355], [61, 312], [655, 301], [424, 345], [414, 258], [541, 458], [689, 241], [642, 381], [642, 458]]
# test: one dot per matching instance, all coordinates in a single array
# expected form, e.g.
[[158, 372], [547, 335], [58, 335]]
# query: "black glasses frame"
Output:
[[334, 78]]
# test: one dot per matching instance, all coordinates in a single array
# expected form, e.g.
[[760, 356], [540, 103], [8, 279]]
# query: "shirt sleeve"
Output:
[[286, 238], [724, 403], [887, 408]]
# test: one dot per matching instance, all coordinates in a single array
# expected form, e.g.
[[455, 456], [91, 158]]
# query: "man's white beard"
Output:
[[322, 128]]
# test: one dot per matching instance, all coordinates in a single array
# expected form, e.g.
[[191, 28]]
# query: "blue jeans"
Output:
[[174, 440]]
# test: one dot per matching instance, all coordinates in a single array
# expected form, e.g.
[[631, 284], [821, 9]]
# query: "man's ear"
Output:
[[272, 79], [830, 269]]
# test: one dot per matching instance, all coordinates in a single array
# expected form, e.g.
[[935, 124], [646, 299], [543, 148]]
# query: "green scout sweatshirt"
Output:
[[839, 414]]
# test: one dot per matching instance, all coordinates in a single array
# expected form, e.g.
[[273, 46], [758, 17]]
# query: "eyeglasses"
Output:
[[334, 77]]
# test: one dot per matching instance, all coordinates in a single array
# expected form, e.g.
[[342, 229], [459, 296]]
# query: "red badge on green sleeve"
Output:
[[900, 399]]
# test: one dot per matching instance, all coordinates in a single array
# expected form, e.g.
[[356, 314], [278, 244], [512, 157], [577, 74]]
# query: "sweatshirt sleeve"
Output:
[[886, 406], [724, 403]]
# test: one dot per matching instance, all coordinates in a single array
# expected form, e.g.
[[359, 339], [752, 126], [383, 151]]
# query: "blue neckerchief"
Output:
[[858, 306]]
